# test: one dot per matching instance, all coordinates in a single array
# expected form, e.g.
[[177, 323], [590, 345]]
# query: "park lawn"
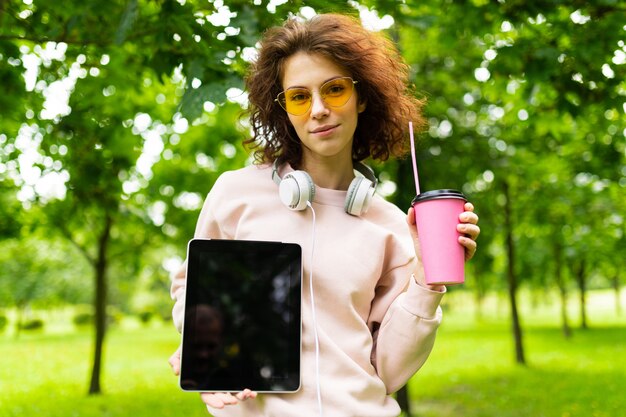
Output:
[[471, 372], [48, 374]]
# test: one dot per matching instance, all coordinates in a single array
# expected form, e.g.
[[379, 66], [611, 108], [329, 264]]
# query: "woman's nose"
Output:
[[319, 108]]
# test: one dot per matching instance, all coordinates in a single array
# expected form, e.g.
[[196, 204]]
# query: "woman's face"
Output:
[[325, 132]]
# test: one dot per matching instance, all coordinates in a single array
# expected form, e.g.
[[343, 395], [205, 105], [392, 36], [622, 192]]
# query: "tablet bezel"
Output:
[[249, 251]]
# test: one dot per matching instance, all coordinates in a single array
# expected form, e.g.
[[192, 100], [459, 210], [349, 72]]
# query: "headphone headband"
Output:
[[360, 167]]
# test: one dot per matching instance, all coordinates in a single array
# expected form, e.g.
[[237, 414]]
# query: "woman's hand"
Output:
[[213, 399], [174, 362], [469, 229], [222, 399]]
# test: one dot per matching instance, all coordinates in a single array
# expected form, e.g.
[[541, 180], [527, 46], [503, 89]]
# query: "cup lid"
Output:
[[438, 194]]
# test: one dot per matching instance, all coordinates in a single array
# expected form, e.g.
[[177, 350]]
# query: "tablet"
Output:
[[242, 325]]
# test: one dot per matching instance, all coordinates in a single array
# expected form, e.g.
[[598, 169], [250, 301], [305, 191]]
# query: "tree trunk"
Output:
[[581, 279], [100, 302], [616, 289], [558, 274], [20, 319], [512, 278]]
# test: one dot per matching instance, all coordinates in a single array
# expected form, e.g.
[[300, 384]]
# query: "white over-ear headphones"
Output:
[[297, 188]]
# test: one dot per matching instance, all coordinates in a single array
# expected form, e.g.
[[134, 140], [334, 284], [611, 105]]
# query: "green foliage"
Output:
[[3, 322], [534, 121], [41, 272], [83, 319], [84, 316], [10, 212], [524, 94], [145, 316], [31, 324]]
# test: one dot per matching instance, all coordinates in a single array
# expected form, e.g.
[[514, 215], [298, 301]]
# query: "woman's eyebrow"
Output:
[[322, 83]]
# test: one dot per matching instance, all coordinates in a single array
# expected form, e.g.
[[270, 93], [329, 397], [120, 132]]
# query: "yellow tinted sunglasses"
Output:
[[335, 93]]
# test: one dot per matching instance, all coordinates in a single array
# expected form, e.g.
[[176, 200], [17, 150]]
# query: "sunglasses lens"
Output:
[[337, 92], [297, 101]]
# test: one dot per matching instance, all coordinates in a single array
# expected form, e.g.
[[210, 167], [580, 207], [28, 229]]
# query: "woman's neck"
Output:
[[333, 173]]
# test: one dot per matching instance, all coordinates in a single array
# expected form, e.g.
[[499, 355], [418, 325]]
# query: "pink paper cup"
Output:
[[437, 215]]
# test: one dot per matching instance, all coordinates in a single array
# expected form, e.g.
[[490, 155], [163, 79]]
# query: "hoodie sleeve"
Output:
[[208, 227], [404, 321]]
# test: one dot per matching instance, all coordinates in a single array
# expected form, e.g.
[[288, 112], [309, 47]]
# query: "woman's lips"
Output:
[[324, 130]]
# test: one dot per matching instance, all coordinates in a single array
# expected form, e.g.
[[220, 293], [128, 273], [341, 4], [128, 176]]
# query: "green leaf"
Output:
[[191, 105], [126, 23]]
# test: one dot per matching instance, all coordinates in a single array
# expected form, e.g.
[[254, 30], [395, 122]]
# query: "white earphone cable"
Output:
[[317, 341]]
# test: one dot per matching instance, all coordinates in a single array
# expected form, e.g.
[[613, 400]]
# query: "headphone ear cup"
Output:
[[296, 189], [359, 195]]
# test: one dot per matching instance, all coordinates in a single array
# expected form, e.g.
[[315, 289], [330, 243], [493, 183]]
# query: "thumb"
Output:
[[174, 362], [410, 220]]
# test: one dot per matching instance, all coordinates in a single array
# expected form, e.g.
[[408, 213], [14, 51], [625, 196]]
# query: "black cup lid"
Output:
[[438, 194]]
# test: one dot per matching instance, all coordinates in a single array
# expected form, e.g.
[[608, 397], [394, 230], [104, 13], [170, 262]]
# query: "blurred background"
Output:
[[117, 116]]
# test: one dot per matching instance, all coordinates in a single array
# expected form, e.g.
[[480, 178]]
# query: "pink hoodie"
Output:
[[376, 325]]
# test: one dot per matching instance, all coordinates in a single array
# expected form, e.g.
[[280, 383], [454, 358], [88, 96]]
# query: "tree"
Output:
[[92, 140], [35, 273], [509, 87], [126, 67], [524, 104]]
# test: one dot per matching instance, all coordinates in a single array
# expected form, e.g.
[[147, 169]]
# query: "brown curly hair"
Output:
[[370, 58]]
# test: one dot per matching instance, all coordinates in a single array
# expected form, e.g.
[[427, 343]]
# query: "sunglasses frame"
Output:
[[283, 105]]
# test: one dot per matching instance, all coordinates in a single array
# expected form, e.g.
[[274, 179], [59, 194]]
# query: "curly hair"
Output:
[[370, 58]]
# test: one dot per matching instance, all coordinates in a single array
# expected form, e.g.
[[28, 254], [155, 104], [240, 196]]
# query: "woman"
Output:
[[326, 94]]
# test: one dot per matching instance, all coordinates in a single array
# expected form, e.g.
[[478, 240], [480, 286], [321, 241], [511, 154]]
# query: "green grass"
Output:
[[48, 374], [471, 372]]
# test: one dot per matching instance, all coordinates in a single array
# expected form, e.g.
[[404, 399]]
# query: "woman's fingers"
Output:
[[245, 394], [220, 400], [469, 245], [174, 362], [471, 230]]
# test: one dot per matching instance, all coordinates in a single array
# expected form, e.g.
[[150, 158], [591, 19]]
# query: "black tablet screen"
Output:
[[242, 326]]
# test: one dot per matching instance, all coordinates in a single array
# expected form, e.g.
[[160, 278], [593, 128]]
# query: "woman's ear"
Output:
[[361, 106]]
